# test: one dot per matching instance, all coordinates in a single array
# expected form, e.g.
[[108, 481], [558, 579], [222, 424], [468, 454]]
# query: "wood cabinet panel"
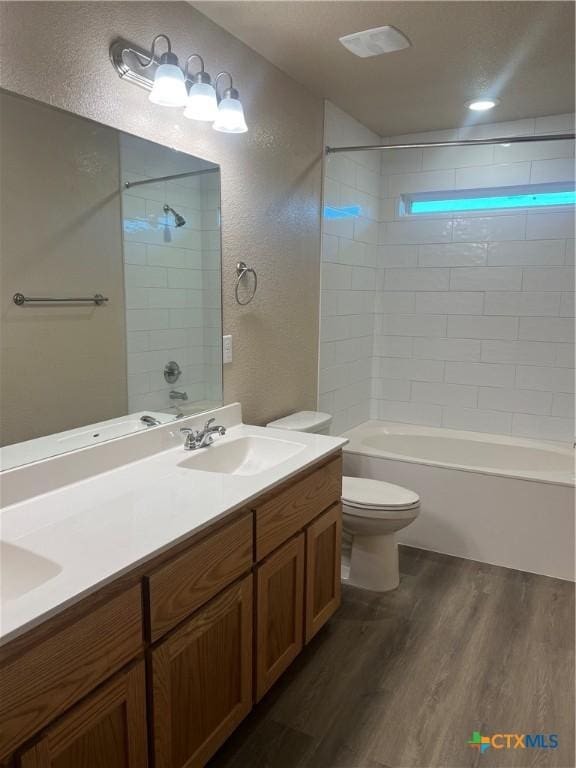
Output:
[[184, 584], [293, 508], [323, 589], [106, 730], [279, 612], [42, 683], [202, 680]]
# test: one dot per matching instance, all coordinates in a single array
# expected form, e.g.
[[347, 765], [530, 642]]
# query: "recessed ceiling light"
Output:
[[482, 105]]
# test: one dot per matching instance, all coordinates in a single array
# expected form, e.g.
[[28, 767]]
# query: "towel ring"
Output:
[[243, 269]]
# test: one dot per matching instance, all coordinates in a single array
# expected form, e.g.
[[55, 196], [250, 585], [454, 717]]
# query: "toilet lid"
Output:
[[363, 493]]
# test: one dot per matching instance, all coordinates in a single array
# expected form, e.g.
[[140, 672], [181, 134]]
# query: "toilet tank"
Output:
[[305, 421]]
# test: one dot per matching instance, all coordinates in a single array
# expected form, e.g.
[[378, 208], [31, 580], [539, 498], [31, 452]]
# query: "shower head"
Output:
[[179, 220]]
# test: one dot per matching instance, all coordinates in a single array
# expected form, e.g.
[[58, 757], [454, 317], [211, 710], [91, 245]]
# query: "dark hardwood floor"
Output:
[[401, 680]]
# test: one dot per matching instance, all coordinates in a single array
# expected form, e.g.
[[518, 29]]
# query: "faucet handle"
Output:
[[186, 430], [208, 423]]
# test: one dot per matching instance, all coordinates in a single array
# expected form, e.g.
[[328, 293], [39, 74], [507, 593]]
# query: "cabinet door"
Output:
[[280, 612], [107, 730], [323, 544], [202, 680]]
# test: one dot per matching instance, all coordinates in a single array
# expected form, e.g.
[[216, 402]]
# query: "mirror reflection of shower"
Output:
[[179, 220]]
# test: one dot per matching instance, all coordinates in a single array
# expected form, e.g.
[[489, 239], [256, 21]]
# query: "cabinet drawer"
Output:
[[289, 511], [40, 684], [181, 586]]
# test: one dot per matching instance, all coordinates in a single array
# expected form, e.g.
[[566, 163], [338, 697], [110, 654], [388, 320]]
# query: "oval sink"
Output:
[[22, 571], [244, 456]]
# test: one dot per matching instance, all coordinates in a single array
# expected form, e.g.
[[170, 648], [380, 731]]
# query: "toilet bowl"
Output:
[[373, 511]]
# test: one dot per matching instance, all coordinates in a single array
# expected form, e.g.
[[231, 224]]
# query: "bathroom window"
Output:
[[488, 199]]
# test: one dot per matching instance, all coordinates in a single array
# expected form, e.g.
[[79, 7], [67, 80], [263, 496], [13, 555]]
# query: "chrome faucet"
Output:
[[174, 395], [150, 421], [201, 438]]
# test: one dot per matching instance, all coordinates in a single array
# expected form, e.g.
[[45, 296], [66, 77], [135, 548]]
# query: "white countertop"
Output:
[[94, 530]]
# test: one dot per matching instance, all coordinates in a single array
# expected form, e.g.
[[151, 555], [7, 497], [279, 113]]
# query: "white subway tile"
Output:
[[548, 279], [138, 341], [423, 231], [333, 378], [399, 255], [452, 255], [352, 252], [392, 346], [414, 370], [147, 319], [447, 349], [329, 248], [395, 302], [391, 389], [567, 305], [564, 355], [417, 279], [336, 277], [493, 176], [482, 327], [547, 171], [547, 379], [550, 225], [413, 325], [522, 352], [541, 150], [363, 278], [514, 400], [476, 420], [329, 303], [134, 253], [354, 302], [485, 279], [449, 303], [425, 181], [563, 406], [457, 157], [444, 394], [569, 256], [546, 329], [489, 228], [338, 227], [410, 413], [401, 161], [366, 230], [168, 339], [555, 124], [543, 427], [522, 303], [523, 127], [145, 277], [544, 253], [483, 374], [138, 383], [368, 181], [334, 328]]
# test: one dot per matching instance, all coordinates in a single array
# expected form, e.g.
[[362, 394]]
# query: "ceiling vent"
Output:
[[373, 42]]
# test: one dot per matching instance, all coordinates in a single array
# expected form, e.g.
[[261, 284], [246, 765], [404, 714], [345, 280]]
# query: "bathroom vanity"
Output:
[[161, 663]]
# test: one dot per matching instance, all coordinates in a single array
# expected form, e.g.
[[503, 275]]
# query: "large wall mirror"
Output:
[[110, 274]]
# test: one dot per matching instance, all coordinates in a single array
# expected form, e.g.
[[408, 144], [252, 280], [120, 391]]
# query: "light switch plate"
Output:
[[226, 349]]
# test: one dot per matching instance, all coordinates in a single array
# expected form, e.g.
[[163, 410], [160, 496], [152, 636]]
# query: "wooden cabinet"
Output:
[[107, 730], [323, 544], [202, 680], [279, 612]]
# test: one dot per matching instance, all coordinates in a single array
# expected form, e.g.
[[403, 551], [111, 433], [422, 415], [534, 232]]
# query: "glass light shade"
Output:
[[169, 89], [230, 117], [202, 103]]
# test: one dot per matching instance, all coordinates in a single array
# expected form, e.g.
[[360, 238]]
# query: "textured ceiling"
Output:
[[522, 52]]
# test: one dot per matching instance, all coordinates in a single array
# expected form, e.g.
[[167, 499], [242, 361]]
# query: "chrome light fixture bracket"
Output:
[[137, 65]]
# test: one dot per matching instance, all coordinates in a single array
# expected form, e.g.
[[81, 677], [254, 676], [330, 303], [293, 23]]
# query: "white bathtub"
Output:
[[498, 499]]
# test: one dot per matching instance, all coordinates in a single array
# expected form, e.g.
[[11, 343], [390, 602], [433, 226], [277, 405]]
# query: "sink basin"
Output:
[[21, 571], [244, 456]]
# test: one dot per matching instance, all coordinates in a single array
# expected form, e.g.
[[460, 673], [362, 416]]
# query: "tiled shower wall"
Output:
[[172, 280], [472, 314]]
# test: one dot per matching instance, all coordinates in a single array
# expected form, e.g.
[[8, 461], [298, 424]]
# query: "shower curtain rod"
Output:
[[460, 143], [129, 184]]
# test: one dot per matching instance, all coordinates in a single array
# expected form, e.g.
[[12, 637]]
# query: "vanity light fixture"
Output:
[[230, 117], [202, 103], [169, 86]]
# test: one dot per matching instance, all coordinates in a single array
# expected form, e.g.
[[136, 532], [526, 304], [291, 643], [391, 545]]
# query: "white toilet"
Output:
[[372, 513]]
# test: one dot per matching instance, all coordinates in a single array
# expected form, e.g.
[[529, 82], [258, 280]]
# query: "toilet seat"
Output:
[[375, 498]]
